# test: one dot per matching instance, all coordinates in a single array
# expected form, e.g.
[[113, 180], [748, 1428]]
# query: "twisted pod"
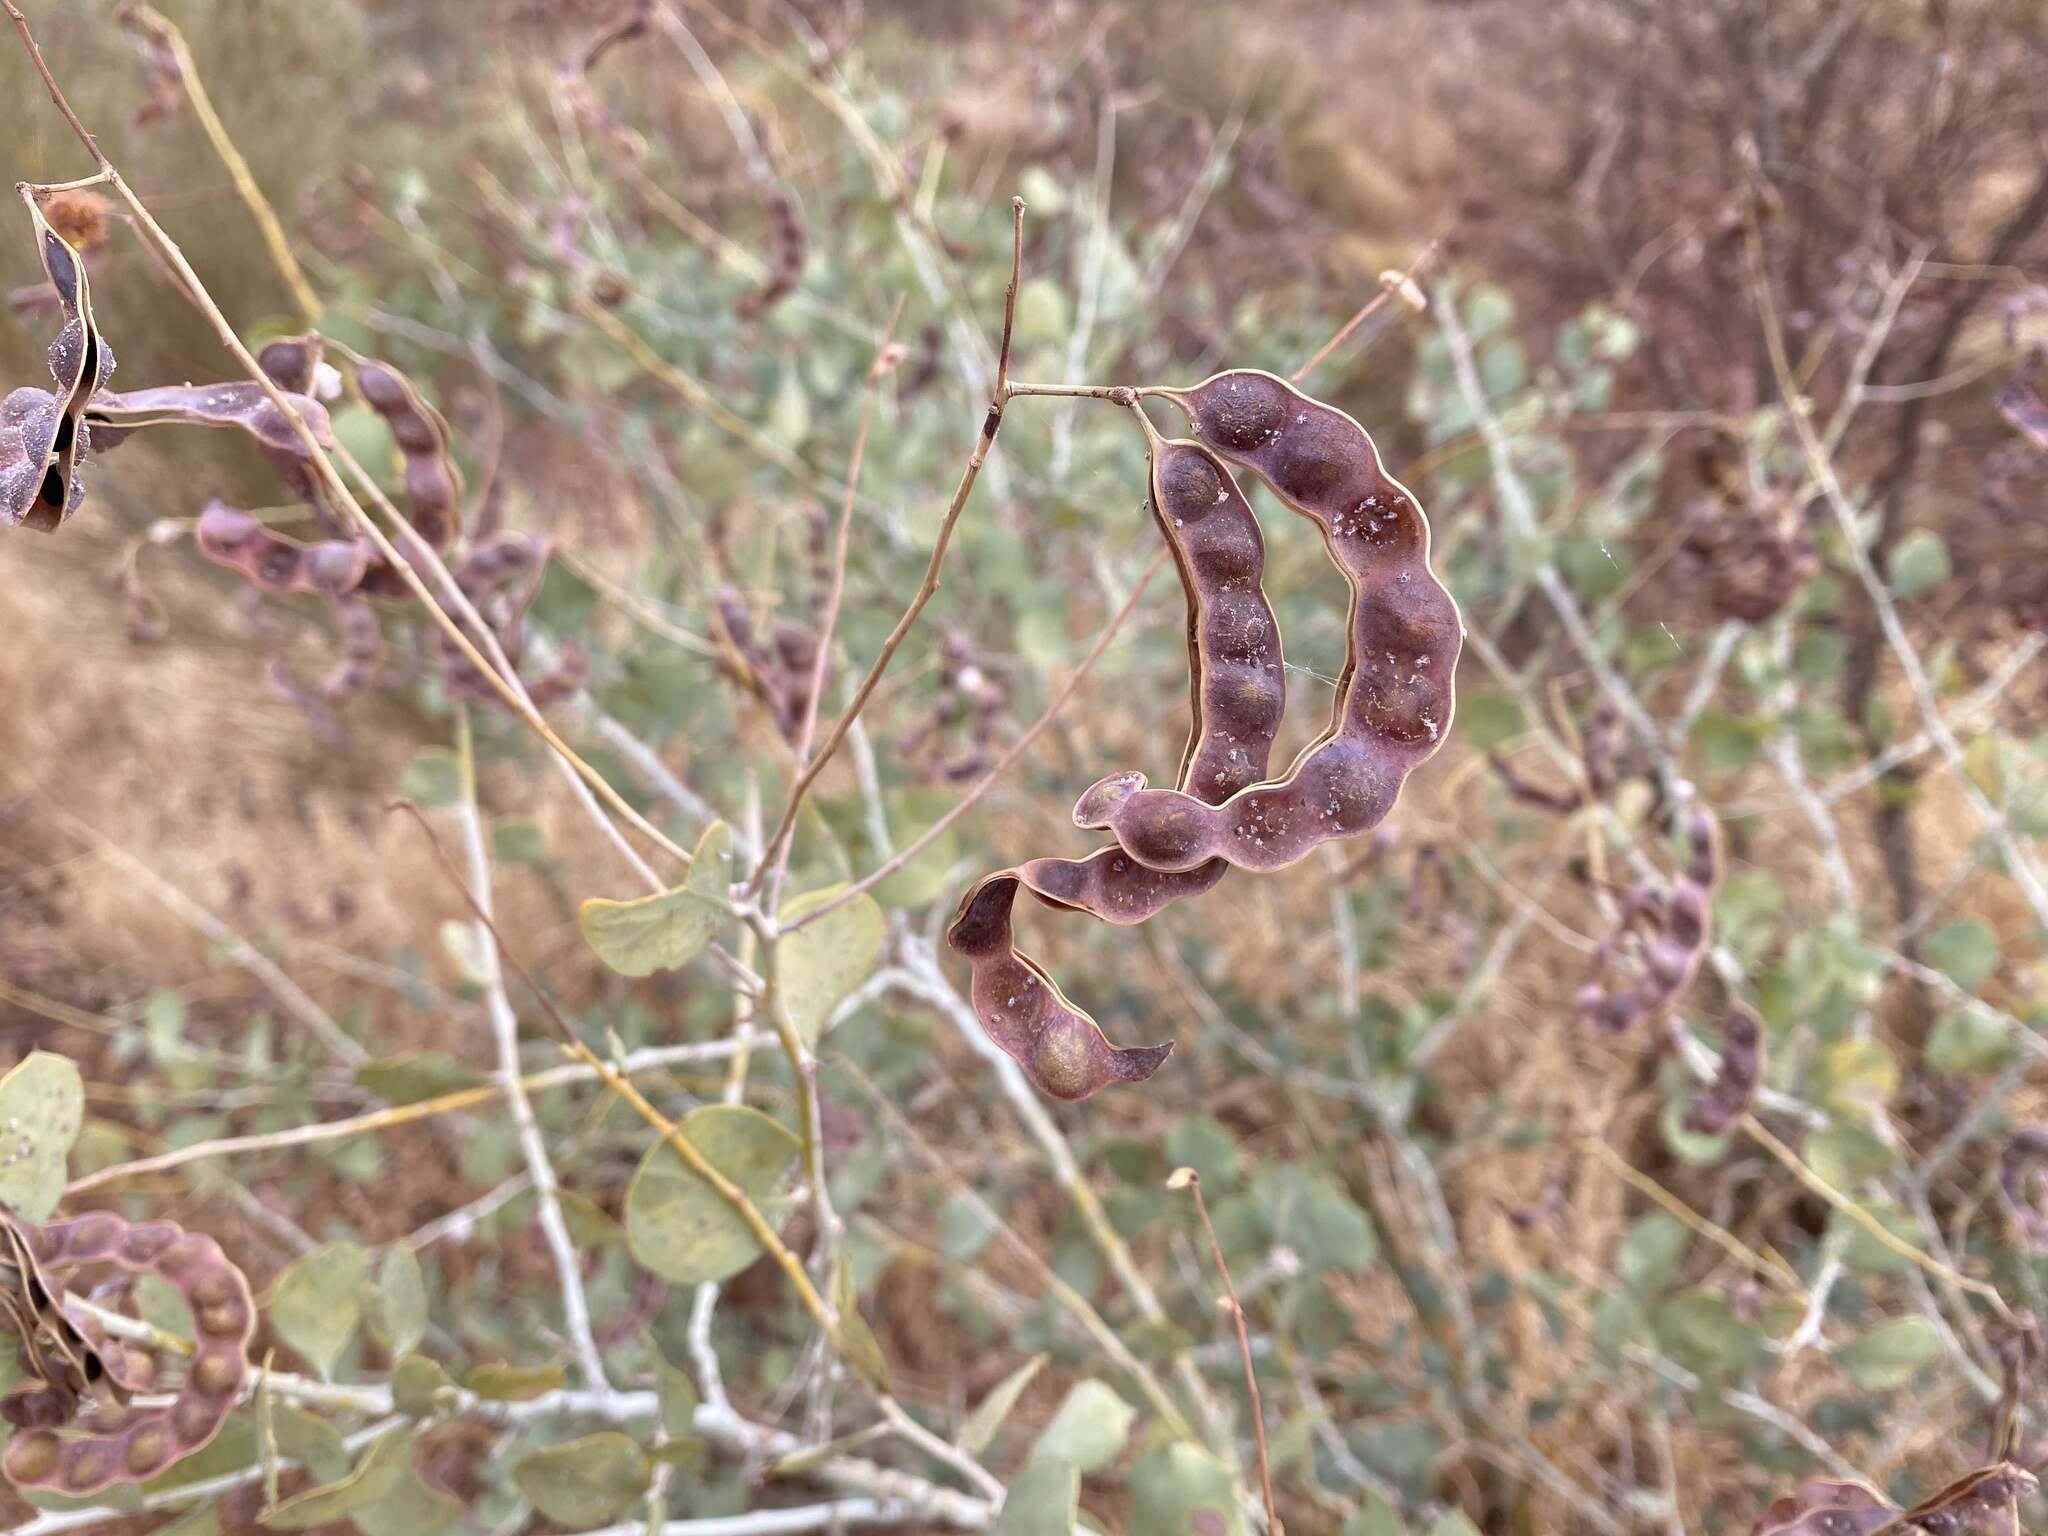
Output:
[[1393, 706]]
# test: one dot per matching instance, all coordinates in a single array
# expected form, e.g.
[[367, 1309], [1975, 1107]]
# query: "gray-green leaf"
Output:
[[42, 1106], [981, 1426], [318, 1302], [1089, 1429], [683, 1229], [821, 962], [583, 1482], [661, 933]]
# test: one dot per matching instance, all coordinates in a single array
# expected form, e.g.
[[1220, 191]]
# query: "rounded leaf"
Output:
[[679, 1226], [823, 961], [583, 1482], [42, 1106]]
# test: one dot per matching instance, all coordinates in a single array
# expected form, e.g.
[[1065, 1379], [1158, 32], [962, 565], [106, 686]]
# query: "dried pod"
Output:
[[1983, 1503], [242, 404], [1668, 926], [500, 577], [1719, 1104], [130, 1444], [1395, 696], [785, 258], [433, 484], [1823, 1506], [43, 435], [2023, 1180], [333, 567], [1238, 692]]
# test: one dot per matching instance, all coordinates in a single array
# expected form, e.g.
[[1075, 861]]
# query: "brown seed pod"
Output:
[[2023, 1180], [242, 404], [1824, 1506], [333, 567], [1396, 694], [433, 484], [1237, 686], [129, 1444], [43, 435], [1719, 1104], [785, 258], [500, 577], [1669, 926]]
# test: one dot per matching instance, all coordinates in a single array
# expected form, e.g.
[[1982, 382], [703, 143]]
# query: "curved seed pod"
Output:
[[2023, 1180], [44, 436], [501, 577], [132, 1444], [243, 404], [433, 484], [1823, 1506], [1981, 1503], [785, 259], [333, 567], [1719, 1104], [1395, 697], [292, 362], [53, 1349], [1671, 925], [1238, 691]]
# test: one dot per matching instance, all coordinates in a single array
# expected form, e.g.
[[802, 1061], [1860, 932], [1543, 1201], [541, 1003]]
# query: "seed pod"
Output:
[[1823, 1506], [785, 259], [333, 567], [1396, 693], [1669, 926], [1237, 688], [1719, 1104], [242, 404], [43, 435], [129, 1444], [433, 484]]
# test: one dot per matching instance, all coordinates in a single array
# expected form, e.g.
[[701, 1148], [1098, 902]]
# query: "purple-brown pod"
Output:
[[433, 484], [1396, 694], [332, 567], [1824, 1506], [44, 435], [1237, 689], [130, 1444], [1720, 1103], [1061, 1049], [241, 403], [1668, 926]]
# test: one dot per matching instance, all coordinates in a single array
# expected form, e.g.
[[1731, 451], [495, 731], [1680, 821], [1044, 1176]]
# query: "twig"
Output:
[[1391, 283], [1002, 764], [785, 828], [1193, 1182], [505, 1033]]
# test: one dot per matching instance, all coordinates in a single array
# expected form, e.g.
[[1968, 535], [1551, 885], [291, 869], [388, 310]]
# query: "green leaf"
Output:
[[1964, 947], [1845, 1155], [1700, 1329], [857, 1341], [1182, 1490], [676, 1392], [664, 932], [1863, 1252], [1967, 1040], [979, 1432], [414, 1381], [823, 961], [400, 1313], [1206, 1146], [1329, 1231], [318, 1301], [1378, 1518], [513, 1383], [42, 1106], [1919, 561], [413, 1508], [1649, 1255], [1041, 1501], [517, 840], [1089, 1429], [311, 1441], [382, 1467], [683, 1229], [1885, 1358], [412, 1076], [431, 778], [583, 1482], [1456, 1523], [1488, 719], [1858, 1074]]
